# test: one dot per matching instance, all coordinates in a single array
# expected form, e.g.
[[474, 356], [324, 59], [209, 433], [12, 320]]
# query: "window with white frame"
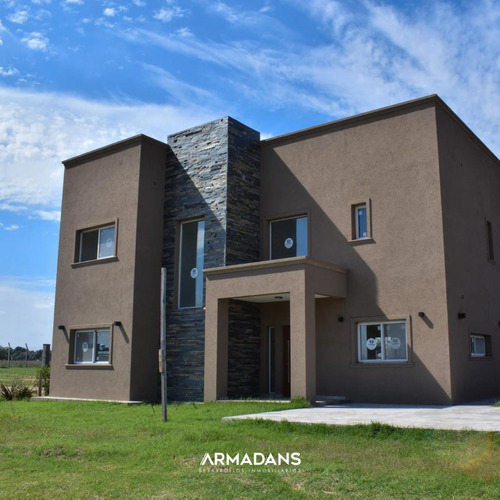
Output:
[[360, 221], [92, 346], [384, 341], [94, 244], [192, 249], [477, 346], [289, 238]]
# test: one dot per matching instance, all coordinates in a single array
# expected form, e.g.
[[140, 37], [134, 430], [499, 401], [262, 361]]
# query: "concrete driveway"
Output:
[[478, 416]]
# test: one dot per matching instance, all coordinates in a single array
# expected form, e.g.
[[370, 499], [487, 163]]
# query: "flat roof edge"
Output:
[[112, 148], [429, 99]]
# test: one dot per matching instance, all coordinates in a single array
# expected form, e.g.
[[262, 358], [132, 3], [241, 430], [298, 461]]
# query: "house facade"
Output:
[[355, 260]]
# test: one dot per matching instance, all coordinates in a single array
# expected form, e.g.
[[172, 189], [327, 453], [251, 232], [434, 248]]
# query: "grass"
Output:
[[103, 450], [19, 373]]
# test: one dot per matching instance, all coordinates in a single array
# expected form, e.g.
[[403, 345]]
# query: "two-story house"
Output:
[[355, 259]]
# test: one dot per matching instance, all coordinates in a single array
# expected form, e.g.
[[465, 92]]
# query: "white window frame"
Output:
[[473, 346], [357, 232], [294, 217], [94, 332], [200, 252], [98, 229], [382, 336]]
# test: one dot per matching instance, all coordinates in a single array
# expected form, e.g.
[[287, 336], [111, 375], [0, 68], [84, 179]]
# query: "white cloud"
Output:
[[109, 12], [36, 41], [74, 2], [166, 15], [52, 215], [366, 56], [18, 17], [8, 71], [9, 207], [38, 131], [33, 301], [139, 3], [11, 227]]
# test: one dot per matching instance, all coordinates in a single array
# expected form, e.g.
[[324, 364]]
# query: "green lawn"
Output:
[[103, 450], [27, 374]]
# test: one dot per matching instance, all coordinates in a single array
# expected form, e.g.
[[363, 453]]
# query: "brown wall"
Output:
[[391, 159], [470, 182], [101, 187]]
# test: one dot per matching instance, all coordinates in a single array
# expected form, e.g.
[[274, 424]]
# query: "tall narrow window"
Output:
[[360, 222], [289, 238], [191, 264], [489, 237]]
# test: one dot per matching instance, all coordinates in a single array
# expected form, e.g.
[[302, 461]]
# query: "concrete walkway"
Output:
[[477, 416]]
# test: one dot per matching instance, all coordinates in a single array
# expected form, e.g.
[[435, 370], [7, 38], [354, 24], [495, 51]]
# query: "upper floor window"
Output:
[[382, 341], [192, 249], [289, 238], [96, 243], [92, 346], [489, 240], [360, 222]]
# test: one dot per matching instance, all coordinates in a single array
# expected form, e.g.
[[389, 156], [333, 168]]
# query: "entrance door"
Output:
[[286, 361]]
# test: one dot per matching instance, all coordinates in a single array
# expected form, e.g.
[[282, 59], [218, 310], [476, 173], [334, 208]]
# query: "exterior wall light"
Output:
[[60, 327], [340, 319], [462, 315], [421, 314], [117, 323]]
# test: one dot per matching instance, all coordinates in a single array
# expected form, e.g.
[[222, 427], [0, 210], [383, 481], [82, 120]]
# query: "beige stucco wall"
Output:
[[391, 160], [103, 187], [470, 181]]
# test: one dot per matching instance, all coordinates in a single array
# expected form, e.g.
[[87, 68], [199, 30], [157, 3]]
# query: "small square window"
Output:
[[94, 244], [480, 345], [289, 238], [92, 346]]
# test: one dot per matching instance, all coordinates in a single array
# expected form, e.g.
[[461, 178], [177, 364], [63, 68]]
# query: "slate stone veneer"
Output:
[[212, 173]]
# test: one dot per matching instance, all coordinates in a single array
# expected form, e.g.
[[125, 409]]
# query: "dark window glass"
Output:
[[191, 264], [489, 234], [88, 246], [289, 238]]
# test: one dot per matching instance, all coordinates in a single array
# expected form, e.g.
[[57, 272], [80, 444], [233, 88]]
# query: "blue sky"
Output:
[[79, 74]]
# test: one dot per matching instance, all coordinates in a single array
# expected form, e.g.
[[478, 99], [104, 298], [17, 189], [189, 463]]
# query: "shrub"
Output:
[[18, 390]]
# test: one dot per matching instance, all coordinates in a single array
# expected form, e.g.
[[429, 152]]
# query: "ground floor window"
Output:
[[92, 346], [479, 345], [382, 342]]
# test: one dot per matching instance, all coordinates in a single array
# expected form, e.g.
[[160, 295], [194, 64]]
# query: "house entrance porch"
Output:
[[299, 280]]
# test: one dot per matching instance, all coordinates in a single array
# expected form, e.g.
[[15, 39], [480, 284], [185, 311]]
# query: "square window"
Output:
[[480, 346], [289, 238], [94, 244], [382, 342], [92, 346], [192, 250]]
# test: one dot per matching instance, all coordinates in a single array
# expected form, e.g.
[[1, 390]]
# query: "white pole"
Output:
[[163, 343]]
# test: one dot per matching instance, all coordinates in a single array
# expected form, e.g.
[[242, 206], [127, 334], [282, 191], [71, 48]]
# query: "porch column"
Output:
[[216, 339], [303, 344]]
